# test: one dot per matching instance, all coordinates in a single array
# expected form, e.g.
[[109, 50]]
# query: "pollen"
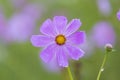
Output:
[[60, 39]]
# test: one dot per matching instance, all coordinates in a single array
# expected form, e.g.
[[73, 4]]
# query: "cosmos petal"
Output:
[[61, 57], [48, 53], [60, 23], [74, 52], [40, 40], [73, 26], [77, 38], [48, 28]]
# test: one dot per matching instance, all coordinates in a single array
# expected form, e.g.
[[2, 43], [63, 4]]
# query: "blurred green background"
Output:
[[20, 61]]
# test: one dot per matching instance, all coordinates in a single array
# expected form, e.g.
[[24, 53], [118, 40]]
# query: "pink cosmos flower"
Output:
[[103, 33], [118, 15], [60, 40]]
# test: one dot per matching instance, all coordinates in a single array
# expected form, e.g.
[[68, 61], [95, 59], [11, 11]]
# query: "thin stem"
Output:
[[69, 73], [102, 66]]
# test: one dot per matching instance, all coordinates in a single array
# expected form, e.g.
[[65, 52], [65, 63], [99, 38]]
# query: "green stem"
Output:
[[69, 73], [102, 66]]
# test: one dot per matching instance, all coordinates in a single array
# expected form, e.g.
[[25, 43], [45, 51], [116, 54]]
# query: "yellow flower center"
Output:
[[60, 39]]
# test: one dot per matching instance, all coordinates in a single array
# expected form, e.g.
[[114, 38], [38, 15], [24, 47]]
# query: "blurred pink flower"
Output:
[[21, 25], [2, 26], [103, 33], [118, 15], [33, 10], [18, 3], [104, 7]]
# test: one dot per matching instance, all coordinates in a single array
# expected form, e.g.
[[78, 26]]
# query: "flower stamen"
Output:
[[60, 39]]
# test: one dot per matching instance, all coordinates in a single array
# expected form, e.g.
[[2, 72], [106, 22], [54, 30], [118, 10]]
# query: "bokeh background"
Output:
[[19, 60]]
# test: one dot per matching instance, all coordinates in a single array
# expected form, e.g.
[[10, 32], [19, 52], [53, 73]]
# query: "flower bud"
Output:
[[109, 47]]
